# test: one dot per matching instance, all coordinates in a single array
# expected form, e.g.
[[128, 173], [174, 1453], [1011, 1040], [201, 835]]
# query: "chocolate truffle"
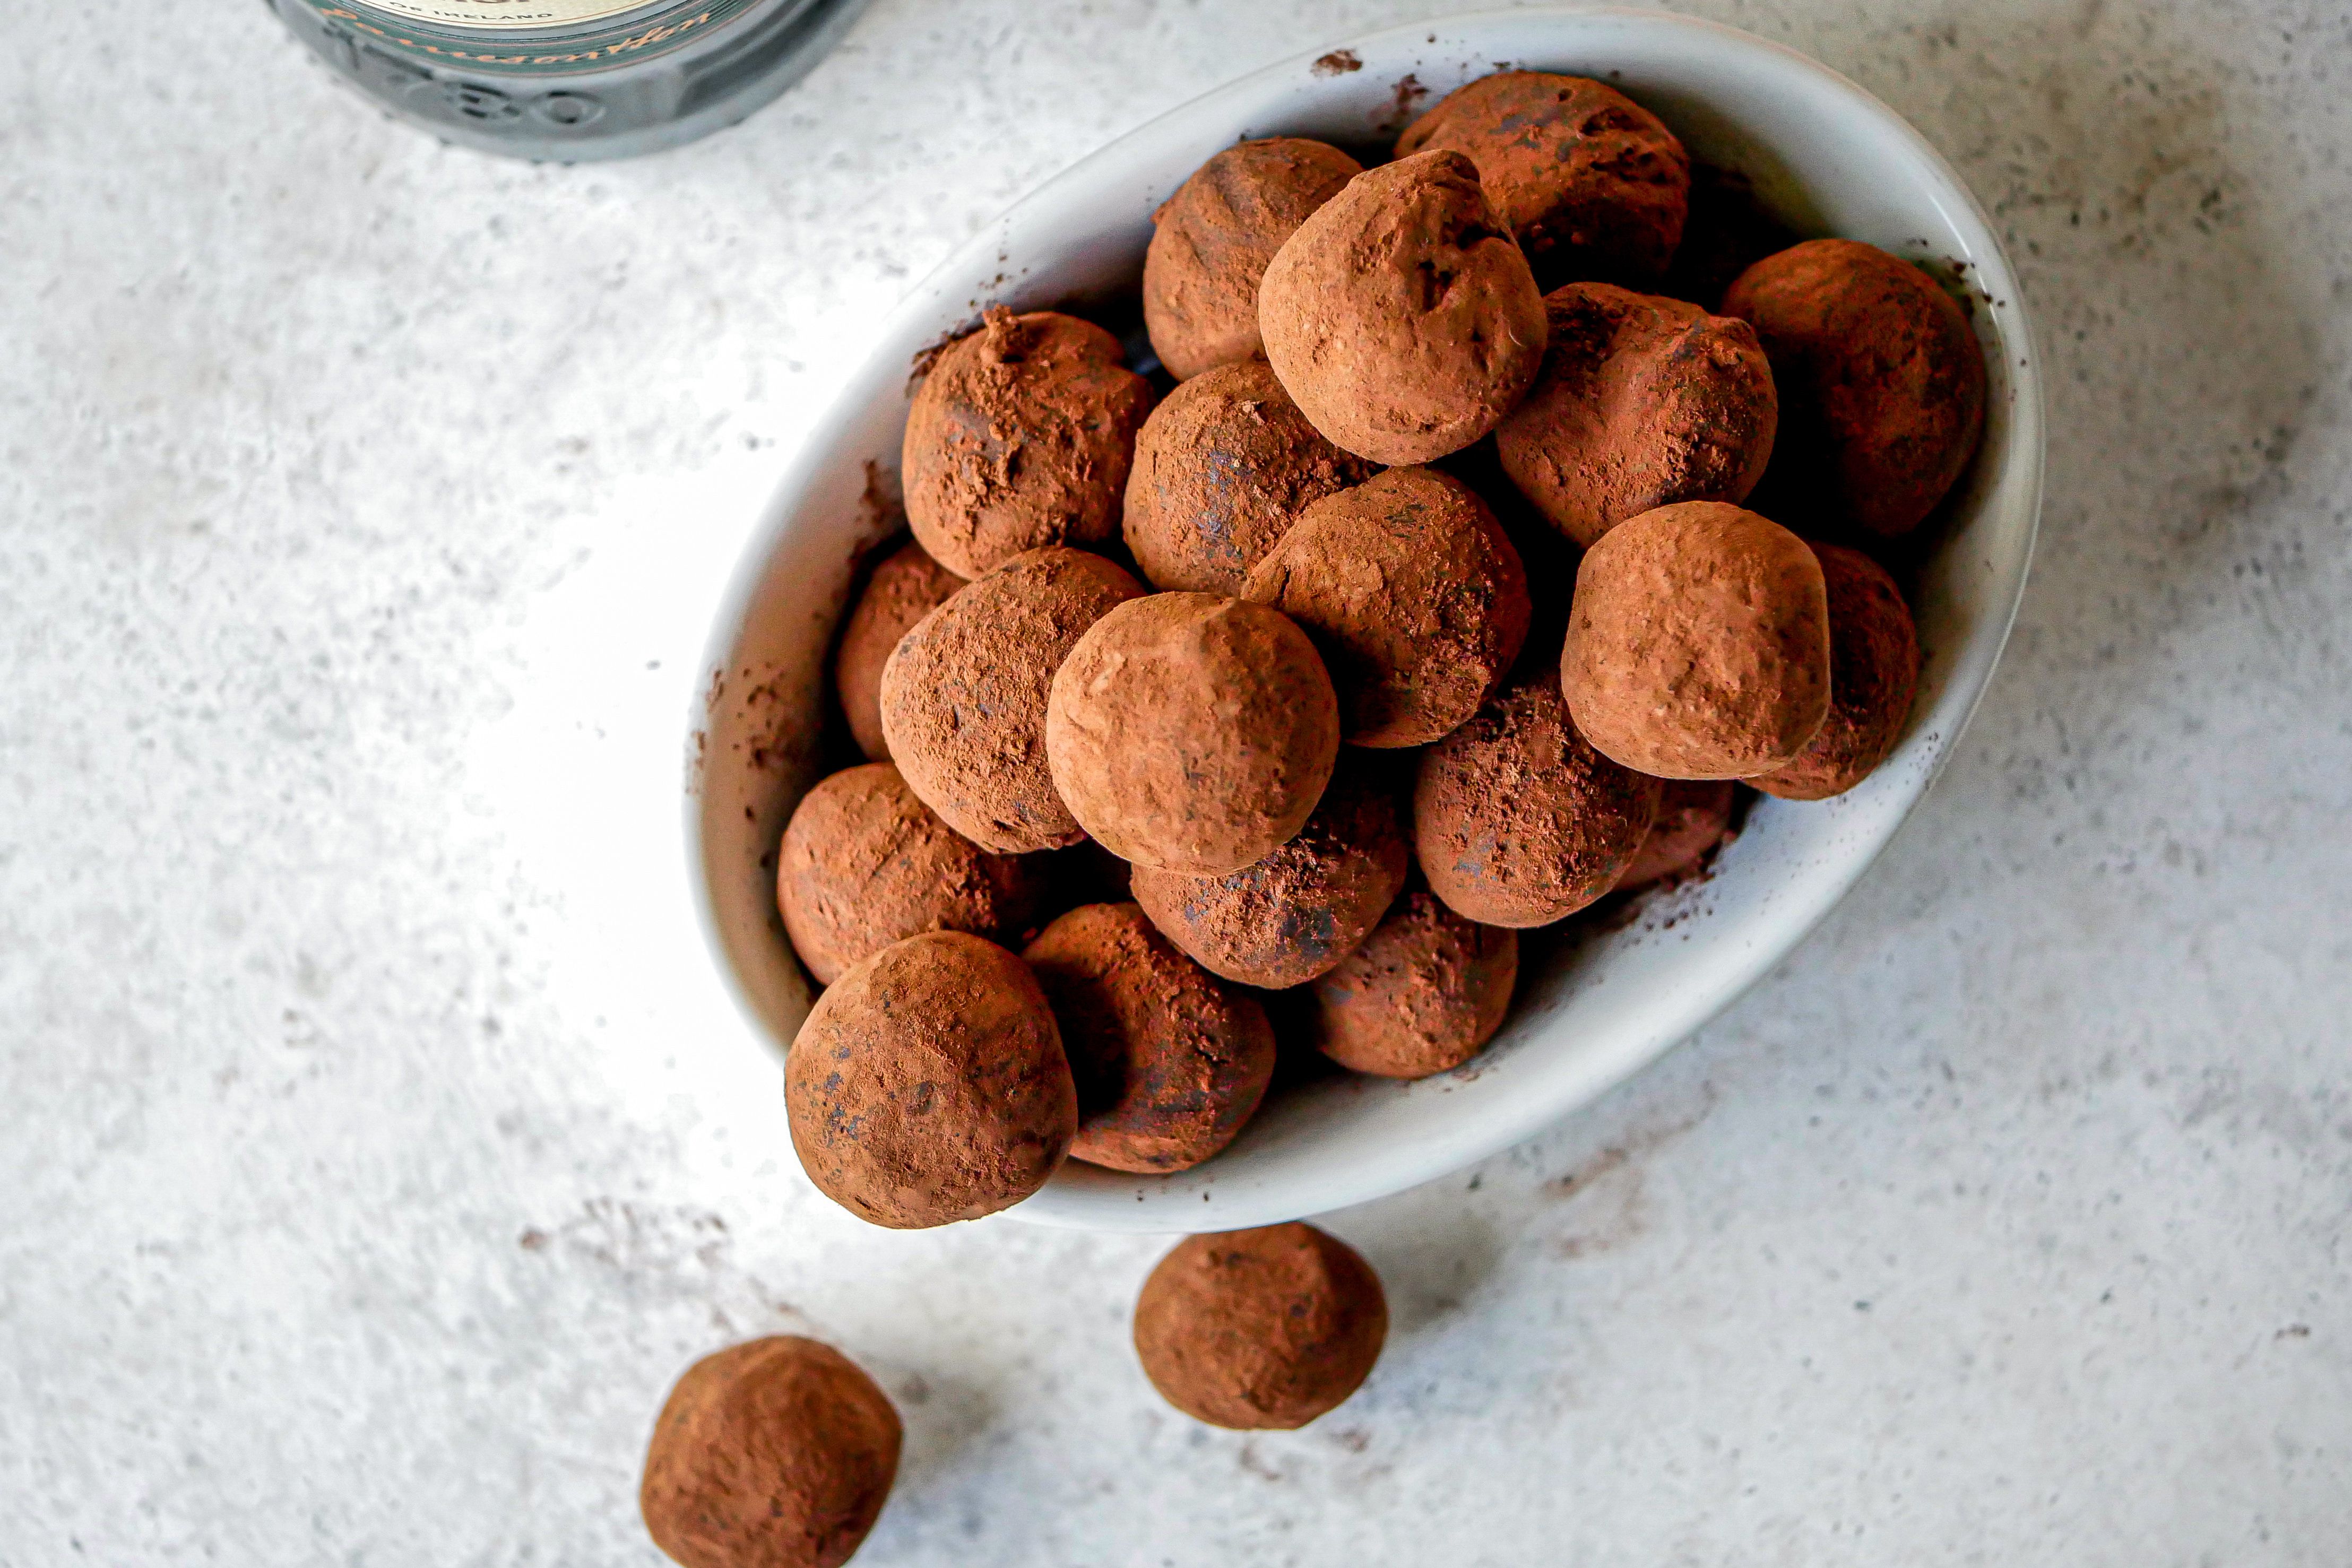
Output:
[[1260, 1330], [1694, 818], [1413, 595], [1593, 185], [964, 695], [1170, 1061], [1425, 993], [1220, 469], [1882, 386], [773, 1454], [1291, 917], [1193, 733], [1642, 401], [864, 864], [907, 586], [1516, 819], [929, 1084], [1019, 438], [1212, 239], [1873, 671], [1698, 645], [1400, 317]]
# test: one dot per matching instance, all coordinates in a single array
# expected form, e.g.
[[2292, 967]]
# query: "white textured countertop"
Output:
[[375, 1146]]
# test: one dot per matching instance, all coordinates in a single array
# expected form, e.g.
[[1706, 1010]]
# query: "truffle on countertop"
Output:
[[907, 586], [1210, 242], [1423, 994], [1260, 1330], [1874, 674], [1020, 438]]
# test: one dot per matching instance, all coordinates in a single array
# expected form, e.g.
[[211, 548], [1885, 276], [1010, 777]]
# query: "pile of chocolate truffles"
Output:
[[1242, 709]]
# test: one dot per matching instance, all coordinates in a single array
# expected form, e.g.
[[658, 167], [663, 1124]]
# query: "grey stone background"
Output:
[[375, 1148]]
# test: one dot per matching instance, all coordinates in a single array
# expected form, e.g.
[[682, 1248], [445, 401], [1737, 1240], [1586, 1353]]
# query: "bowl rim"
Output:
[[1974, 661]]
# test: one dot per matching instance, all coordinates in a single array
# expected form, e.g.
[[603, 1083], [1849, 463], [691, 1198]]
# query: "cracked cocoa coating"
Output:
[[1698, 644], [1518, 820], [1285, 919], [1212, 239], [1423, 994], [1413, 595], [907, 586], [1400, 317], [864, 864], [1642, 401], [1882, 384], [1260, 1330], [964, 695], [1223, 467], [1874, 675], [1193, 733], [1020, 438], [776, 1453], [1593, 185], [1170, 1062], [929, 1084], [1694, 819]]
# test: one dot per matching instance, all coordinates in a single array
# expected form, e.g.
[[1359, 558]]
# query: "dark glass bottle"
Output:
[[568, 79]]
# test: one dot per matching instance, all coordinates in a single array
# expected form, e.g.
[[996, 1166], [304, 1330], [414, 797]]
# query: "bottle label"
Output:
[[526, 37], [509, 14]]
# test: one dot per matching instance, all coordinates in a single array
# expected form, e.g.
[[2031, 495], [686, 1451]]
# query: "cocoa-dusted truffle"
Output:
[[1698, 645], [1292, 916], [1019, 438], [1425, 993], [1413, 595], [1642, 401], [1593, 185], [1873, 672], [1170, 1061], [1401, 318], [1221, 468], [1518, 820], [1212, 239], [1882, 385], [1260, 1330], [773, 1454], [964, 695], [1193, 733], [907, 586], [929, 1084], [863, 864], [1693, 817]]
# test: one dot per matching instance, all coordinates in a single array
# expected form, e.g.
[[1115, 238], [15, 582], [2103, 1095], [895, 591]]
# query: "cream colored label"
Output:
[[508, 14]]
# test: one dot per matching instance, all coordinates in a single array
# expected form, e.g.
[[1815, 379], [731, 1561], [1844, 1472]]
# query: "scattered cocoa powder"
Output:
[[1423, 994], [907, 586], [1873, 673]]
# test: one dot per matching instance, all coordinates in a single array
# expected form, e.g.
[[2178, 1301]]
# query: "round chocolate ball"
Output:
[[1400, 317], [1413, 595], [1193, 733], [1516, 819], [1882, 385], [1260, 1330], [1694, 818], [1020, 438], [1698, 643], [864, 864], [1642, 401], [907, 586], [1593, 185], [1222, 467], [929, 1084], [1283, 920], [1170, 1061], [964, 695], [1425, 993], [1873, 673], [773, 1454], [1212, 239]]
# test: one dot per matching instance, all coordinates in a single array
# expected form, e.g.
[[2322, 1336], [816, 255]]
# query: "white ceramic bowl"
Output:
[[1829, 159]]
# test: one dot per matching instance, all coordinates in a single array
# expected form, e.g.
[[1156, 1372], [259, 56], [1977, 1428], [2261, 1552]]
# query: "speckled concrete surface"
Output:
[[375, 1147]]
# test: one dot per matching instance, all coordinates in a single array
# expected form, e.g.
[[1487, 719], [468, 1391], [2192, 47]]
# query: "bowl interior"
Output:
[[1823, 157]]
